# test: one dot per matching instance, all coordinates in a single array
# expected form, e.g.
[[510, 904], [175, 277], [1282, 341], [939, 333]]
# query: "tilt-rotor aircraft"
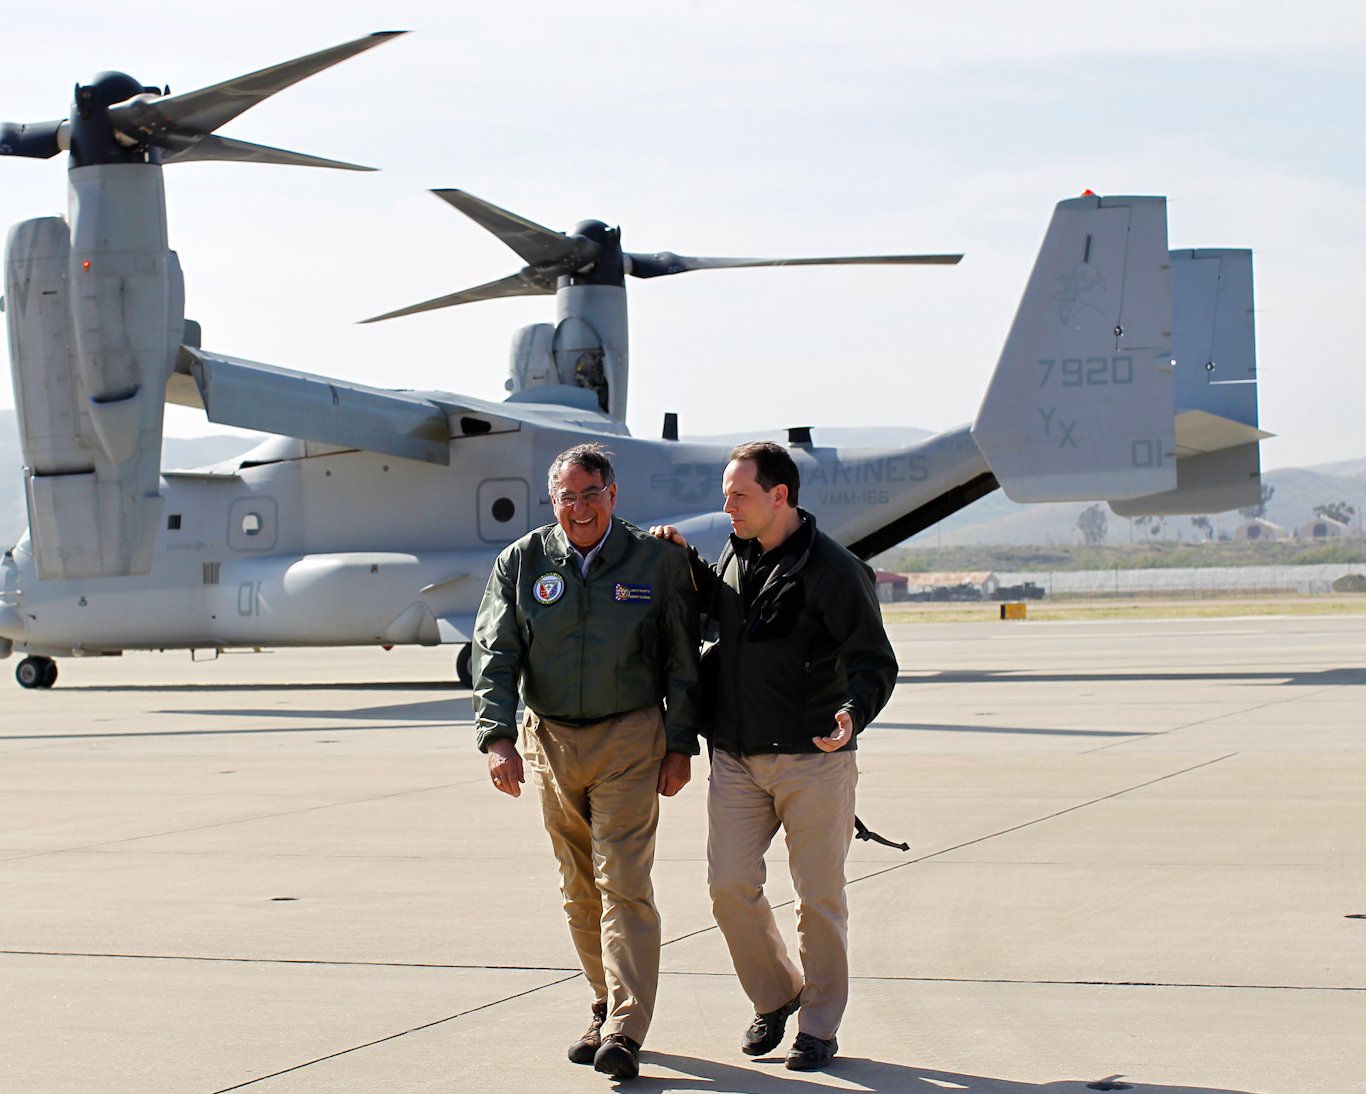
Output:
[[374, 516]]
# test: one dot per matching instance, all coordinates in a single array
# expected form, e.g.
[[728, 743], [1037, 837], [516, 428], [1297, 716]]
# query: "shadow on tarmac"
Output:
[[401, 716], [360, 685], [709, 1075], [1325, 678], [433, 710], [921, 727]]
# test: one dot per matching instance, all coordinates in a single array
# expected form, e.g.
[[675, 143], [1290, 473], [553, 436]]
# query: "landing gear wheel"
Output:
[[462, 668], [36, 672]]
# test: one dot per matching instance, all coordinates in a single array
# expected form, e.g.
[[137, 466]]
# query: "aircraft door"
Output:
[[504, 510]]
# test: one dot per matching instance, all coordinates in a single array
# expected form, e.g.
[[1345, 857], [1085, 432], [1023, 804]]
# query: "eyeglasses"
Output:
[[568, 498]]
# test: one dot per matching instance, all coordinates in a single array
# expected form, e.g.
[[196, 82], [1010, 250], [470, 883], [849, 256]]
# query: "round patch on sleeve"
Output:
[[548, 588]]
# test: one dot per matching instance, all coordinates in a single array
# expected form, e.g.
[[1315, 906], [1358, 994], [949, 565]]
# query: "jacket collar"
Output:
[[558, 546], [799, 543]]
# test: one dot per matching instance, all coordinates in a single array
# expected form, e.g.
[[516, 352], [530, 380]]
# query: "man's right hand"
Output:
[[505, 767], [669, 532]]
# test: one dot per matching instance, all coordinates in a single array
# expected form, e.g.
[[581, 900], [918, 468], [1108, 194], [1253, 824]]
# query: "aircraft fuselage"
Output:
[[315, 546]]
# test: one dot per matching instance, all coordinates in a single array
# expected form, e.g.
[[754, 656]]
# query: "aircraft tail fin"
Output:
[[1129, 374], [1081, 403]]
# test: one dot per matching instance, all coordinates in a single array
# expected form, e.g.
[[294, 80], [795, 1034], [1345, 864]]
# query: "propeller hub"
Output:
[[600, 246], [93, 136]]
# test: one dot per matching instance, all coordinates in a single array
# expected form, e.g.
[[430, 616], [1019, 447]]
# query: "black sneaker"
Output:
[[811, 1053], [586, 1047], [619, 1057], [765, 1033]]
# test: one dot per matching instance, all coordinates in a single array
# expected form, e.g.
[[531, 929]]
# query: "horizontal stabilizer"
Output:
[[1081, 405], [1199, 431]]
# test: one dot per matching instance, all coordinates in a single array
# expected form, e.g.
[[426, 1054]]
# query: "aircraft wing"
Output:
[[415, 425], [298, 404]]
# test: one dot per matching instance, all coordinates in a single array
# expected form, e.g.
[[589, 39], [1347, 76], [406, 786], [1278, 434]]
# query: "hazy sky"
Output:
[[743, 129]]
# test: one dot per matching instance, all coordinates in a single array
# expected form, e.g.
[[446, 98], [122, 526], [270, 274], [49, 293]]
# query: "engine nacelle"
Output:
[[95, 315], [533, 362]]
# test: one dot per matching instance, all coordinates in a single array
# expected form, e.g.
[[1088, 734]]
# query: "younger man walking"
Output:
[[800, 664]]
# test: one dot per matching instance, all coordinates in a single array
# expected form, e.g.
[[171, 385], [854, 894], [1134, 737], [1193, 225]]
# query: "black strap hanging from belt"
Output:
[[862, 831]]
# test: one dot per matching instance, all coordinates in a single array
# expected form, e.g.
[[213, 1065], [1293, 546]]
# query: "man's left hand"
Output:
[[844, 733], [674, 773]]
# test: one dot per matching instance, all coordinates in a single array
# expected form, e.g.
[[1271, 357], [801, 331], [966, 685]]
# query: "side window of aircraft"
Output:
[[504, 510], [252, 524]]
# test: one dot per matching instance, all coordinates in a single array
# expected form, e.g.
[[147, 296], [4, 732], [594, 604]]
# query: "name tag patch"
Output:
[[548, 588], [638, 594]]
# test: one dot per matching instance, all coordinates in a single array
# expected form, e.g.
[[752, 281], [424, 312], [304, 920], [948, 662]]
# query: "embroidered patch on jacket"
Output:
[[637, 593], [548, 588]]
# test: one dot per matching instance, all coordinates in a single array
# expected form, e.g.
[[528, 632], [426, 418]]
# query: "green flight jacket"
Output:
[[584, 649]]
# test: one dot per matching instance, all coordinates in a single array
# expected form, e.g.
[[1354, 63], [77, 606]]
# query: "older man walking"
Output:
[[593, 622]]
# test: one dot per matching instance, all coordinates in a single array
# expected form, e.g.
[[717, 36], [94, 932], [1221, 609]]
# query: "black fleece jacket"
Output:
[[810, 643]]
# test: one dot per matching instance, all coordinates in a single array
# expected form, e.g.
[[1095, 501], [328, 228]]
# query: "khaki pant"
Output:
[[811, 795], [597, 787]]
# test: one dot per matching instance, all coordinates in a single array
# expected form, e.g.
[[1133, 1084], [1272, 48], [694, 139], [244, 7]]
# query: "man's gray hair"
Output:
[[591, 457]]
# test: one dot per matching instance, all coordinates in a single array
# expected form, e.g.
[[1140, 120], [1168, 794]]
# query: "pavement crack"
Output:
[[1212, 718], [990, 835], [290, 961], [396, 1036]]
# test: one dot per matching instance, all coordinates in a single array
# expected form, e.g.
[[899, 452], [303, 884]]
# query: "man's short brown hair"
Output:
[[772, 465]]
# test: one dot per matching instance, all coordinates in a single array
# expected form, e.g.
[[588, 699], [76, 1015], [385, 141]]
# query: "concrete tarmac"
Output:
[[1136, 848]]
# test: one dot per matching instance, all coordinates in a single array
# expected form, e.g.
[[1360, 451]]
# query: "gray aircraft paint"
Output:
[[377, 519]]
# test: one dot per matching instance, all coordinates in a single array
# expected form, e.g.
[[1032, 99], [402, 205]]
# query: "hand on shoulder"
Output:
[[670, 533]]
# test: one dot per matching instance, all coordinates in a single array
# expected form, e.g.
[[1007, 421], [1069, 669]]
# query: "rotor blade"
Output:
[[212, 147], [525, 283], [37, 140], [149, 117], [533, 243], [666, 262]]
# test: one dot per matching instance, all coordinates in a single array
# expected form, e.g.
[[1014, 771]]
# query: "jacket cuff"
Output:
[[486, 735], [685, 743], [854, 709]]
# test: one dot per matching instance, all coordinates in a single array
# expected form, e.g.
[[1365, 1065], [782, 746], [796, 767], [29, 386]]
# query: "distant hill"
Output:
[[176, 452], [995, 519]]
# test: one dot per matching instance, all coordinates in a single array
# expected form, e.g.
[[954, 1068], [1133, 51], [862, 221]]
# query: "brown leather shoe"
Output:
[[586, 1047], [619, 1057]]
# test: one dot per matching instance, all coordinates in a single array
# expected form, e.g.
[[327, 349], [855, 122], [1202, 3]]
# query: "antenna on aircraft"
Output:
[[115, 119]]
